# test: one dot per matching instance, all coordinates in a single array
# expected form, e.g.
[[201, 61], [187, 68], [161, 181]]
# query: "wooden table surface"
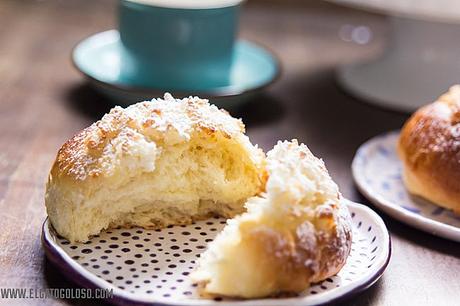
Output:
[[44, 101]]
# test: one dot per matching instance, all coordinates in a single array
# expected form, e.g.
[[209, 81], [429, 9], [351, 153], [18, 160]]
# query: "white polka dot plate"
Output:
[[151, 267], [377, 172]]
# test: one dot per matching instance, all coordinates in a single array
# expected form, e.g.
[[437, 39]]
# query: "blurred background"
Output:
[[44, 100], [310, 38]]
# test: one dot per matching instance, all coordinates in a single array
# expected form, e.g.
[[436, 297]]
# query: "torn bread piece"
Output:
[[153, 164], [295, 233]]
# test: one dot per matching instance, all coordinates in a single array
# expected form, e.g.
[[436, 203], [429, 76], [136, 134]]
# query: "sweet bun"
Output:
[[151, 165], [295, 233], [429, 147], [167, 162]]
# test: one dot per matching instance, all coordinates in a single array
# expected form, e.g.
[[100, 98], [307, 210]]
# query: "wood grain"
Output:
[[44, 101]]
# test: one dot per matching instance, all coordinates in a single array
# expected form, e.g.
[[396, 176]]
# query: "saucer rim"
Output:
[[217, 92]]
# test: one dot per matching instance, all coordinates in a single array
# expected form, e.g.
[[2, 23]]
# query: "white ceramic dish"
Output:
[[377, 172], [151, 267]]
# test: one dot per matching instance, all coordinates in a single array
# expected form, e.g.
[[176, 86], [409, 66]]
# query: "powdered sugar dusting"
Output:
[[433, 132], [137, 133]]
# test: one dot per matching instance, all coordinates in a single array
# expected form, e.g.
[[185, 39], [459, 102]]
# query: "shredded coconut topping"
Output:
[[138, 132]]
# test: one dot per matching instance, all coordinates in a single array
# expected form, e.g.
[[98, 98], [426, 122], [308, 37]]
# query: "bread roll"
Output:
[[152, 164], [429, 147], [295, 233], [166, 162]]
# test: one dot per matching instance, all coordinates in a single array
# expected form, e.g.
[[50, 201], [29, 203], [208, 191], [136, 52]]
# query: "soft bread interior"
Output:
[[282, 242], [208, 175]]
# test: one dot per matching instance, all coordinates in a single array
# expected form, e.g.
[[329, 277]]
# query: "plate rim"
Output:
[[420, 222], [82, 277], [219, 92]]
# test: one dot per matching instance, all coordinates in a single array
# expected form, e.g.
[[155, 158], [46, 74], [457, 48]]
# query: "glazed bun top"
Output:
[[429, 147]]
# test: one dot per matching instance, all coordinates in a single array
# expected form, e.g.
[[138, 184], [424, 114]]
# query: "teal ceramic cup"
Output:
[[178, 44]]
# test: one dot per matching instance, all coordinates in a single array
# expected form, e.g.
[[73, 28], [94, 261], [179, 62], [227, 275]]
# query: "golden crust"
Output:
[[151, 164], [303, 256], [295, 233], [90, 153], [429, 146]]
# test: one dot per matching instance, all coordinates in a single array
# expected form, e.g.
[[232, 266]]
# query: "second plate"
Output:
[[377, 172]]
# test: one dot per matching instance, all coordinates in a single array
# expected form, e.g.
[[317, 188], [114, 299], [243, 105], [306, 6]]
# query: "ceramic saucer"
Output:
[[98, 58], [152, 267], [377, 172]]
